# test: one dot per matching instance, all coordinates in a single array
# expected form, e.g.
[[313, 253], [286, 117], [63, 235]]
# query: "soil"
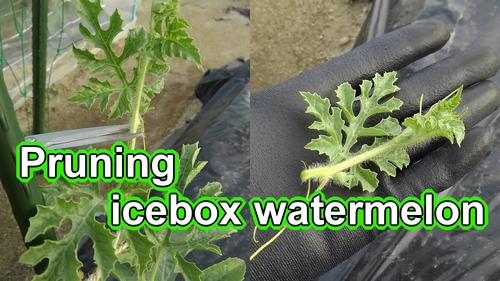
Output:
[[287, 37]]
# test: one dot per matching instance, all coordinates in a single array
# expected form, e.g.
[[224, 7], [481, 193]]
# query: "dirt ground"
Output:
[[287, 37]]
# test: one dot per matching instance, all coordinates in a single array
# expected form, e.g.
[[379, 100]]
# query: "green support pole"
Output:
[[39, 47]]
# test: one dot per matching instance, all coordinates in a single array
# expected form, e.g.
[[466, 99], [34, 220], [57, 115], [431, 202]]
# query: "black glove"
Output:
[[279, 132]]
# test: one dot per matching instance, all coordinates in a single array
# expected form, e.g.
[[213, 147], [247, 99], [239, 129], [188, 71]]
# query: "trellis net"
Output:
[[62, 27]]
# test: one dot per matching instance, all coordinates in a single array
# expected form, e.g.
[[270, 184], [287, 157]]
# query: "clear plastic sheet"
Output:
[[438, 254], [63, 22]]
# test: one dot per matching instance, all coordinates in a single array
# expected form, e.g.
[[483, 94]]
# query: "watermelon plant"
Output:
[[387, 151], [344, 127], [143, 254]]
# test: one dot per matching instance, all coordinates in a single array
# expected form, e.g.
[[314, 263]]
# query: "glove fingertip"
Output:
[[437, 30]]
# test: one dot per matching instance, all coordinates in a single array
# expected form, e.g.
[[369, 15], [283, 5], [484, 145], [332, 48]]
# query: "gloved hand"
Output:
[[279, 131]]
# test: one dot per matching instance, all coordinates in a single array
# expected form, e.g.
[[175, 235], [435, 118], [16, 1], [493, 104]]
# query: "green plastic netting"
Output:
[[63, 22]]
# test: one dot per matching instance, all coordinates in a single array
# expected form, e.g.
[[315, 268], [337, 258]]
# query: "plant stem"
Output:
[[157, 263], [136, 116], [143, 66], [321, 172], [159, 253], [407, 138], [39, 46]]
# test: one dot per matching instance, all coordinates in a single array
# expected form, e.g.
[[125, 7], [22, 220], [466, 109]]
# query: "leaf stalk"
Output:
[[405, 139], [326, 172], [136, 116]]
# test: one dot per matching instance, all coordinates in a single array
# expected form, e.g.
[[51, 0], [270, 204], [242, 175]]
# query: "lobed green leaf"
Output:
[[343, 135], [63, 189], [211, 189], [111, 64], [103, 90], [330, 119], [174, 41], [188, 167], [63, 261], [388, 148]]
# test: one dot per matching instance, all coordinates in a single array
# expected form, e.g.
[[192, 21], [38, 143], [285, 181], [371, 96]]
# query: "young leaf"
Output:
[[188, 167], [211, 189], [335, 145], [173, 39], [440, 120], [111, 63], [388, 149]]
